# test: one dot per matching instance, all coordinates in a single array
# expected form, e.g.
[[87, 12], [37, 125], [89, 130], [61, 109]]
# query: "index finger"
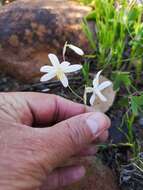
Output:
[[49, 109]]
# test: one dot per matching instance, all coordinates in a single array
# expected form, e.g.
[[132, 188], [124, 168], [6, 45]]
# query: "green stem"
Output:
[[73, 92], [115, 145]]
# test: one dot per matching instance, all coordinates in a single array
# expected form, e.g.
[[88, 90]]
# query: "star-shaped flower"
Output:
[[97, 88], [58, 70]]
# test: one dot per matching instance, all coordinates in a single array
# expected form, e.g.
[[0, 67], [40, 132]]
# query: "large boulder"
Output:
[[98, 177], [29, 30]]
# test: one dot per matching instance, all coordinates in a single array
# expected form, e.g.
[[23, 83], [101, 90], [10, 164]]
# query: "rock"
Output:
[[29, 30], [98, 177]]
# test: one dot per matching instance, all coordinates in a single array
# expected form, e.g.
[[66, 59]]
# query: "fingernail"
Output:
[[97, 122], [90, 109]]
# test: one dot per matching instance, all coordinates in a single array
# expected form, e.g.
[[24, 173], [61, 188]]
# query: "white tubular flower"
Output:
[[97, 88], [64, 50], [58, 70], [76, 49]]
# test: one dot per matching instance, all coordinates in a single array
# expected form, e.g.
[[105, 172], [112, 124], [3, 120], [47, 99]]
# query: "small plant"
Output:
[[132, 102], [119, 36], [60, 70]]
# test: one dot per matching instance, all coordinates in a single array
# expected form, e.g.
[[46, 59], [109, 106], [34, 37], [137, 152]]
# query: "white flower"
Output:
[[58, 69], [76, 49], [118, 6], [97, 88]]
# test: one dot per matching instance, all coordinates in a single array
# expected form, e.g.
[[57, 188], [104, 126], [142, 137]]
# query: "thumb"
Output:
[[70, 136]]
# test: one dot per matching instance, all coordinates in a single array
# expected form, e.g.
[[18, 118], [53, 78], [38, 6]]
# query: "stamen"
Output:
[[60, 74]]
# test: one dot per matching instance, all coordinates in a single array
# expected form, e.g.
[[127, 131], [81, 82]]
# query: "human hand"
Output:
[[30, 158]]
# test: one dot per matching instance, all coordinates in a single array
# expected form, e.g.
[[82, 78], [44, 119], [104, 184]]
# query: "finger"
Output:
[[52, 108], [47, 109], [92, 149], [63, 177], [89, 151], [102, 138], [67, 138]]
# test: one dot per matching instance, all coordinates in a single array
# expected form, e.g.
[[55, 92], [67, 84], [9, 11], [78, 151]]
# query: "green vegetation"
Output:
[[119, 34], [117, 43]]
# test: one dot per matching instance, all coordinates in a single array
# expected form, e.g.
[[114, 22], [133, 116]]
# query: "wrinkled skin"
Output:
[[31, 157]]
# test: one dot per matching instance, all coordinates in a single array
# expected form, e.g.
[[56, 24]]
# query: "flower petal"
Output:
[[96, 79], [72, 68], [88, 89], [54, 60], [65, 64], [104, 85], [100, 95], [76, 49], [64, 50], [64, 80], [48, 76], [92, 99], [46, 69]]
